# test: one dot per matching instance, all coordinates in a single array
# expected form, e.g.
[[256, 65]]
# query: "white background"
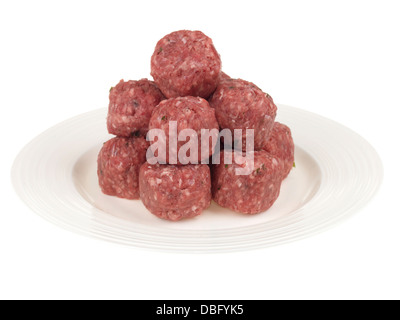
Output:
[[339, 59]]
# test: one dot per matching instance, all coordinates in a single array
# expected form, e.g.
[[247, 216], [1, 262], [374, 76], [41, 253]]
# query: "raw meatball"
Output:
[[185, 63], [118, 166], [280, 144], [249, 194], [175, 192], [189, 113], [242, 105], [131, 105], [223, 76]]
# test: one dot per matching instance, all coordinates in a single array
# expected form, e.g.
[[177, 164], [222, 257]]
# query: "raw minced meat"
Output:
[[189, 113], [187, 70], [175, 192], [281, 145], [118, 165], [223, 76], [240, 104], [186, 63], [131, 105], [249, 194]]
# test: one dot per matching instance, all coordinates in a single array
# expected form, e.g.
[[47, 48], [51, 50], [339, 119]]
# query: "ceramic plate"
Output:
[[336, 173]]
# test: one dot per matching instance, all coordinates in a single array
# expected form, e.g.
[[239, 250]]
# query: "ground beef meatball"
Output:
[[242, 105], [189, 113], [175, 192], [185, 63], [118, 165], [131, 105], [249, 194], [223, 76], [281, 145]]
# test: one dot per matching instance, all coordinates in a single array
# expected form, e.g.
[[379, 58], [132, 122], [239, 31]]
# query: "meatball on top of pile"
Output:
[[131, 105], [186, 63]]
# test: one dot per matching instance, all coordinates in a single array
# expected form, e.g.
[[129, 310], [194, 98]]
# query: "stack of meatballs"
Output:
[[190, 90]]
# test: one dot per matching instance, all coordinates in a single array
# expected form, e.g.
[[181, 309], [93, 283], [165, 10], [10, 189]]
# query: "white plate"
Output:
[[336, 173]]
